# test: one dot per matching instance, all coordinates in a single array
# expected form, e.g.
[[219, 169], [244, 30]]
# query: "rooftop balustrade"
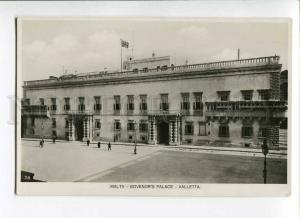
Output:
[[102, 75]]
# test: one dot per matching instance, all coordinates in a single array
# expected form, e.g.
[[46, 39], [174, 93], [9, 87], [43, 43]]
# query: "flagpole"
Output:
[[121, 55]]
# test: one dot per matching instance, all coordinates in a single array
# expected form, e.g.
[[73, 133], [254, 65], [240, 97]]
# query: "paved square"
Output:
[[70, 161], [74, 161], [187, 167]]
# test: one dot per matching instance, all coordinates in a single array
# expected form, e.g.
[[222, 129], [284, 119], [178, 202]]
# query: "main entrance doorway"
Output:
[[78, 129], [163, 133]]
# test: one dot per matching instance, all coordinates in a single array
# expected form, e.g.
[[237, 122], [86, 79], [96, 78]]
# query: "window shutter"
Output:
[[160, 106], [114, 107]]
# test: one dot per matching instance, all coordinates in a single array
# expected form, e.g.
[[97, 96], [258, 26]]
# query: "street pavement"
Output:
[[74, 161]]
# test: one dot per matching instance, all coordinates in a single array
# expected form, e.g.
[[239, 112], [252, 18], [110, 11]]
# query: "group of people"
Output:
[[99, 144]]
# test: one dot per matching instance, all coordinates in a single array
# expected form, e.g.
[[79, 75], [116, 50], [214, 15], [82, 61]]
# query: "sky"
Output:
[[54, 47]]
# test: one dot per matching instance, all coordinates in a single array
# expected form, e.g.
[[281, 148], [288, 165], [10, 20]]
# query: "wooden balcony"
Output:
[[34, 110]]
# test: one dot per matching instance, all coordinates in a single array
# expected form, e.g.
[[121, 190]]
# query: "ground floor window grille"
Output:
[[117, 125], [97, 124], [202, 129], [263, 132], [143, 126], [53, 122], [130, 125], [189, 128], [224, 131], [247, 131]]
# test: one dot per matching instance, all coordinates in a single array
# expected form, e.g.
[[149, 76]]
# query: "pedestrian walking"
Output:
[[99, 144], [88, 142], [109, 146], [134, 151], [53, 139], [42, 143]]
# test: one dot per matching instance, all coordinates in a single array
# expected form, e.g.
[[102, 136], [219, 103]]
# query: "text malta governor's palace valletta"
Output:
[[230, 103]]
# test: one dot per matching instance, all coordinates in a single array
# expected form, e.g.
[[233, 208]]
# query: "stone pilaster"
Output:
[[173, 135], [85, 130], [71, 130], [152, 131]]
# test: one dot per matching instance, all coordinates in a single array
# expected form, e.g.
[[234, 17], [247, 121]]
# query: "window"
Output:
[[67, 104], [223, 95], [97, 105], [117, 125], [66, 123], [263, 132], [32, 122], [164, 102], [224, 131], [145, 69], [264, 94], [53, 122], [130, 125], [130, 102], [247, 131], [157, 68], [202, 129], [42, 101], [97, 124], [117, 105], [198, 104], [143, 126], [81, 106], [26, 101], [143, 105], [53, 104], [189, 128], [247, 95], [185, 104]]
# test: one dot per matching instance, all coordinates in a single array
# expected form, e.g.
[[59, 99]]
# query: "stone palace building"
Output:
[[235, 103]]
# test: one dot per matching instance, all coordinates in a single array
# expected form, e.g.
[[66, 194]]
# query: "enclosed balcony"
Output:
[[245, 109], [34, 110]]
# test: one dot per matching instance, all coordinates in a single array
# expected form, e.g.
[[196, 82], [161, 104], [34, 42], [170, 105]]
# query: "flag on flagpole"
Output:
[[124, 44]]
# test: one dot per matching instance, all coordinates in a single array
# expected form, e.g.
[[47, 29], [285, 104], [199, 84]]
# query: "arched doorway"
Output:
[[163, 133]]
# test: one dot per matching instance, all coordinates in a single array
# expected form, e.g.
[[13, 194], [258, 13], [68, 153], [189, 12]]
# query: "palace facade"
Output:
[[234, 102]]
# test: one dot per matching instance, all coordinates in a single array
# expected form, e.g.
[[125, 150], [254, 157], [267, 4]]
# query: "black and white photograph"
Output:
[[144, 106]]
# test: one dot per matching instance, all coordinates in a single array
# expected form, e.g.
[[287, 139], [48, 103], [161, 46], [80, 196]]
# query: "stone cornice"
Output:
[[161, 77]]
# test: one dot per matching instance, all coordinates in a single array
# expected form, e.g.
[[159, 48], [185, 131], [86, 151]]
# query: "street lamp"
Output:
[[135, 150], [265, 151]]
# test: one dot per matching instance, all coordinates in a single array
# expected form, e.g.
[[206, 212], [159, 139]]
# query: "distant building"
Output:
[[234, 102]]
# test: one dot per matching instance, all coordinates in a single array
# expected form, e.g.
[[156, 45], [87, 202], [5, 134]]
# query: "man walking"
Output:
[[88, 142], [99, 144], [109, 146], [42, 143]]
